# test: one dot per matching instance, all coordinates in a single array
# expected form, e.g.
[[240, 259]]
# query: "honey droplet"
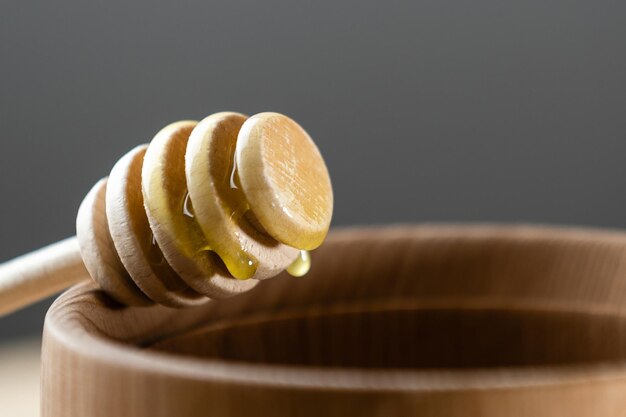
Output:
[[242, 266], [301, 265]]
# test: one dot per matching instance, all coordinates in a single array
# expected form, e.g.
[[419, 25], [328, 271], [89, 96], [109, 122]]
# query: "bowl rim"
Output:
[[70, 332]]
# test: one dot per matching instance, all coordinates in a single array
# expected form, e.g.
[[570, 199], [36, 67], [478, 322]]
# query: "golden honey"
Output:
[[192, 230], [301, 265]]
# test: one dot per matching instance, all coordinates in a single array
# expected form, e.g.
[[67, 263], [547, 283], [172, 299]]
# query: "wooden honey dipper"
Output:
[[204, 211]]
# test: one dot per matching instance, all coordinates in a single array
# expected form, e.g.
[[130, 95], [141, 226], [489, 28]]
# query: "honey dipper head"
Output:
[[204, 203], [285, 180]]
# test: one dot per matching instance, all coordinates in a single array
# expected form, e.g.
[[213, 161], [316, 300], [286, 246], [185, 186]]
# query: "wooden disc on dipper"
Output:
[[285, 180]]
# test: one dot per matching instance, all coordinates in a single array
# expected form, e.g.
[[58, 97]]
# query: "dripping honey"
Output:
[[301, 265], [238, 261]]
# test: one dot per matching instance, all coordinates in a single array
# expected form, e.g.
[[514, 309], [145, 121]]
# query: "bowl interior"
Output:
[[411, 298], [411, 337], [428, 298]]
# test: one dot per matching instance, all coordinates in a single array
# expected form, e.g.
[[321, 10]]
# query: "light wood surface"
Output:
[[434, 321], [132, 236], [220, 206], [19, 378], [285, 179], [174, 225], [178, 235], [98, 251], [39, 274]]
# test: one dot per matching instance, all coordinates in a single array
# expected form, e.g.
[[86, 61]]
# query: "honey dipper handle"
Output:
[[39, 274]]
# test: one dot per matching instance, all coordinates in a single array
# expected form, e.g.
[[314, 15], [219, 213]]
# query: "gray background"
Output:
[[424, 110]]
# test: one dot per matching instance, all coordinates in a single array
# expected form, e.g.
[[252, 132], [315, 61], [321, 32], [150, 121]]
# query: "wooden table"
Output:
[[19, 378]]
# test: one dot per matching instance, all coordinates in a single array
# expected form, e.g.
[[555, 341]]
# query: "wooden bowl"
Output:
[[404, 320]]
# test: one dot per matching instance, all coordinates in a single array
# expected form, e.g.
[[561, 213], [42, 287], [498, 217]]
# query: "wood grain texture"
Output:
[[285, 180], [58, 265], [131, 234], [432, 321], [98, 251]]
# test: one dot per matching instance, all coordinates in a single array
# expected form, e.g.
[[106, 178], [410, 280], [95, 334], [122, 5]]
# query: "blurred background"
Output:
[[424, 110]]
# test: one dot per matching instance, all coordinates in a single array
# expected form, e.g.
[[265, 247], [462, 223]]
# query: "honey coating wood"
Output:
[[177, 234], [133, 239], [172, 224], [481, 321], [221, 208]]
